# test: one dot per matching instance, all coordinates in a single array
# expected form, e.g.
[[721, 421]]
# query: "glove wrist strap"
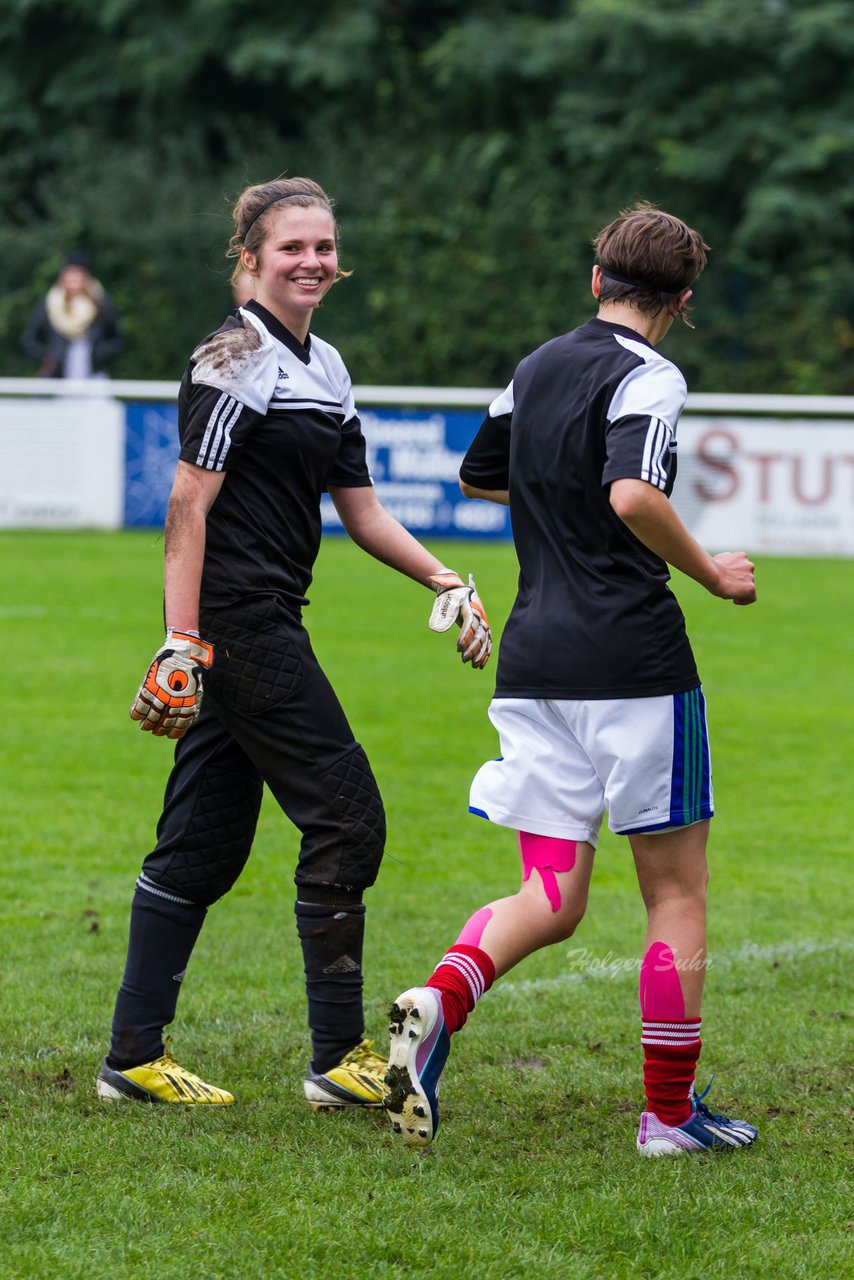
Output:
[[445, 580], [199, 649]]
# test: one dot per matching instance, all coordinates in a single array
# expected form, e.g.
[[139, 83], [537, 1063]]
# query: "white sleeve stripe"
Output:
[[225, 443], [657, 462], [667, 444], [217, 437], [656, 444], [203, 447], [649, 442], [647, 451]]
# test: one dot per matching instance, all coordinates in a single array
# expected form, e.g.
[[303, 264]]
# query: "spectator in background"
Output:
[[74, 331]]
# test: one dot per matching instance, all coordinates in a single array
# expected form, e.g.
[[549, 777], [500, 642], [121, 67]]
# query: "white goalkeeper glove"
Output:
[[170, 697], [456, 602]]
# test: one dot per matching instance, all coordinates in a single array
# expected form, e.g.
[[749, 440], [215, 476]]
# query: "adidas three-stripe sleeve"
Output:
[[215, 427]]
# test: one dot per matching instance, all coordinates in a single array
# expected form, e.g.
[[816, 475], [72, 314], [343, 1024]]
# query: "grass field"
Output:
[[534, 1173]]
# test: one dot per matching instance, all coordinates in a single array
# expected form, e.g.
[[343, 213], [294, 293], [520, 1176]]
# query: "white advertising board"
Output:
[[773, 486], [770, 485], [61, 463]]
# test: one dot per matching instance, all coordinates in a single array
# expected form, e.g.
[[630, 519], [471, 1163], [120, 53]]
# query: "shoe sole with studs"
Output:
[[405, 1101]]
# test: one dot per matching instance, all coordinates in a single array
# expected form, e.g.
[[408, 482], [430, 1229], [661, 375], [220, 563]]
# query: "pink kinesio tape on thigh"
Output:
[[474, 927], [659, 990], [547, 855]]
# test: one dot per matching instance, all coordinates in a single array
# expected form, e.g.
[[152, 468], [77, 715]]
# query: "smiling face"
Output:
[[296, 264]]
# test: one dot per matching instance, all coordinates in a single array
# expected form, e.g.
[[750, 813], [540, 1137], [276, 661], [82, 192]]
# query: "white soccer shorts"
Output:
[[563, 762]]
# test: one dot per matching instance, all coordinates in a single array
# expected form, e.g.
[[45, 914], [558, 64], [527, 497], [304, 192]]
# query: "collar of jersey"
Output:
[[301, 350], [620, 328]]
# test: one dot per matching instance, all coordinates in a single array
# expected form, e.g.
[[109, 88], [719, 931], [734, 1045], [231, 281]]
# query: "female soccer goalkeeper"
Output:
[[267, 422]]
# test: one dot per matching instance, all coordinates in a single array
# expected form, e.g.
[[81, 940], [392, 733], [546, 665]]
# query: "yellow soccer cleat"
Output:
[[163, 1080], [357, 1081]]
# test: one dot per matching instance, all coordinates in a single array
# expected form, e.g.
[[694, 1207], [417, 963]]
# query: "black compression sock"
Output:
[[332, 938], [162, 936]]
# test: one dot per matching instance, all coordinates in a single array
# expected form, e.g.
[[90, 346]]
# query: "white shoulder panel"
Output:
[[336, 374], [240, 362], [502, 404], [654, 389]]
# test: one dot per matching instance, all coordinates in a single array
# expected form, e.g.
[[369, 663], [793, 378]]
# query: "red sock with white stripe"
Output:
[[671, 1050], [462, 976]]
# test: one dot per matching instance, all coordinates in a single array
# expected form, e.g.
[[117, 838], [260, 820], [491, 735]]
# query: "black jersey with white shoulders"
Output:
[[594, 616], [277, 415]]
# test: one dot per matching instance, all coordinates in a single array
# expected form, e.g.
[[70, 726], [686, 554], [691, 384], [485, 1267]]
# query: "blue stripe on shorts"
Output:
[[690, 796], [691, 775]]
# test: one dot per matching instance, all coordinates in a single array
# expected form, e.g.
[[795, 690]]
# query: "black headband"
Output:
[[264, 207], [639, 284]]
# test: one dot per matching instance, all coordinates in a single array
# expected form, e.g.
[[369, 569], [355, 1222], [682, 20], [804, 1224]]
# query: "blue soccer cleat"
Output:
[[419, 1049], [702, 1131]]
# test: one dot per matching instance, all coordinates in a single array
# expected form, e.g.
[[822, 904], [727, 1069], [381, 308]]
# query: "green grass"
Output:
[[534, 1173]]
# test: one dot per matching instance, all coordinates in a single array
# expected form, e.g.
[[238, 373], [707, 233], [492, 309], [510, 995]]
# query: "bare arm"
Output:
[[376, 531], [193, 494], [501, 496], [651, 518]]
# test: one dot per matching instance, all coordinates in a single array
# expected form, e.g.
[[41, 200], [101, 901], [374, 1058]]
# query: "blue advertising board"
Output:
[[151, 455], [414, 458]]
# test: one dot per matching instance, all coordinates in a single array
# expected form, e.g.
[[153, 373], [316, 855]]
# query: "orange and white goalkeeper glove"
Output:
[[456, 602], [170, 697]]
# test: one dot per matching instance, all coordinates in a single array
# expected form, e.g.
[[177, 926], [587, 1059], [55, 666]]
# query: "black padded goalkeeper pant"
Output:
[[269, 715]]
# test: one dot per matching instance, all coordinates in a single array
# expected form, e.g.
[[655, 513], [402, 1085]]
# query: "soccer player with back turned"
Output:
[[598, 703]]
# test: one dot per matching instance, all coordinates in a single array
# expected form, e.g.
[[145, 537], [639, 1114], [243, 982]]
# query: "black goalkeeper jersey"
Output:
[[593, 616], [278, 416]]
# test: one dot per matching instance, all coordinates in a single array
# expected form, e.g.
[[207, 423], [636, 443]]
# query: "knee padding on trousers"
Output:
[[203, 857], [359, 808], [206, 828], [182, 882]]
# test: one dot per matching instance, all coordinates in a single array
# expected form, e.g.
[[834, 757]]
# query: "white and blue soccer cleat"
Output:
[[702, 1131], [419, 1049]]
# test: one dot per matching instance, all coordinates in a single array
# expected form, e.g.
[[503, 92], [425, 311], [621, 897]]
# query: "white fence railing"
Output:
[[448, 397], [768, 473]]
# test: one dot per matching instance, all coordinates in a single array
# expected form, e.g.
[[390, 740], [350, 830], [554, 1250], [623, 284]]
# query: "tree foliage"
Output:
[[474, 148]]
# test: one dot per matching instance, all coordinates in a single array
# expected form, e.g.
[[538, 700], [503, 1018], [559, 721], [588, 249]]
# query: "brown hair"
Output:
[[657, 255], [253, 207]]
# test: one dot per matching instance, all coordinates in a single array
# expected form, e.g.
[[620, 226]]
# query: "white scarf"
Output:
[[73, 315]]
